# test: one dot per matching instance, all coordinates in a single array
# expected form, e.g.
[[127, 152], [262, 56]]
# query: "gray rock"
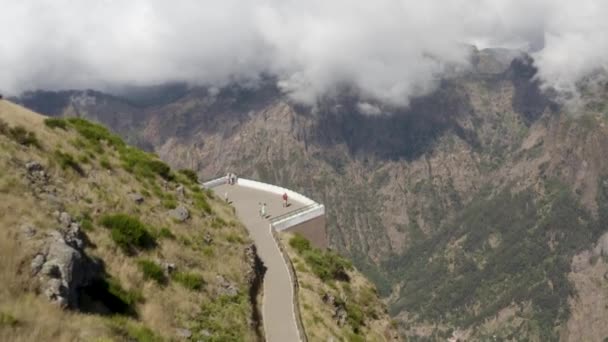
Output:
[[73, 236], [168, 268], [226, 288], [28, 231], [33, 166], [183, 333], [51, 270], [208, 239], [136, 197], [55, 292], [180, 213], [37, 262], [181, 191], [601, 249], [340, 315], [65, 219]]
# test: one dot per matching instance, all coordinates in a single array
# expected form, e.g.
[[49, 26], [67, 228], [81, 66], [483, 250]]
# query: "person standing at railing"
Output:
[[285, 200]]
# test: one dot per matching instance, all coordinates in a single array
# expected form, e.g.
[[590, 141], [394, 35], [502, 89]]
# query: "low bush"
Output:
[[164, 232], [128, 232], [190, 174], [144, 164], [56, 123], [66, 161], [169, 202], [152, 271], [8, 320], [299, 243], [95, 133], [190, 281], [132, 331], [21, 135], [105, 163]]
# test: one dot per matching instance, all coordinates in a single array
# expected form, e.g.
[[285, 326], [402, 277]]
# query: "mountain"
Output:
[[102, 241], [477, 211]]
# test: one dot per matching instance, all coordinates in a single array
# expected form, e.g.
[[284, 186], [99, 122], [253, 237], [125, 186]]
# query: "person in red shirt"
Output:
[[284, 200]]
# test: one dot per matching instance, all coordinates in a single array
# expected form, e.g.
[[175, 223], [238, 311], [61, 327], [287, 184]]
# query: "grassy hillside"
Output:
[[336, 301], [158, 275]]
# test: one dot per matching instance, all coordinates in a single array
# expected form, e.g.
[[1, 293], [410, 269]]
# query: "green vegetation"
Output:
[[132, 331], [105, 163], [190, 281], [326, 265], [128, 232], [66, 161], [56, 123], [534, 240], [19, 134], [190, 174], [220, 317], [95, 133], [8, 320], [152, 271], [129, 297], [165, 233]]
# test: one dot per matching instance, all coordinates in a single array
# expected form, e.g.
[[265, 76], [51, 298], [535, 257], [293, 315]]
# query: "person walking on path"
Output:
[[226, 196], [263, 210], [285, 200]]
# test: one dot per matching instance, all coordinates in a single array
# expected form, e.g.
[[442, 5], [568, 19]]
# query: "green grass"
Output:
[[326, 265], [56, 123], [105, 163], [20, 135], [67, 161], [152, 271], [190, 174], [128, 232], [165, 233], [190, 281], [8, 320], [130, 330], [95, 133]]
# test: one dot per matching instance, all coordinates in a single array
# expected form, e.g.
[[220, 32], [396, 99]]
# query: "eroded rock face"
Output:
[[63, 268]]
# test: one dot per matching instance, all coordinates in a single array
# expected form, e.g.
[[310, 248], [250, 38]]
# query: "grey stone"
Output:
[[51, 270], [28, 231], [136, 197], [226, 288], [168, 268], [37, 262], [55, 292], [33, 166], [183, 333], [181, 191], [601, 249], [65, 219], [180, 213], [74, 236], [207, 238]]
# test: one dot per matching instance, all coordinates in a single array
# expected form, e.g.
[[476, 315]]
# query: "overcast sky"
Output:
[[388, 50]]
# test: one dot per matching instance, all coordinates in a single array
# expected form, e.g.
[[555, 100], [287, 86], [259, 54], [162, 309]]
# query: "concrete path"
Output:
[[277, 305]]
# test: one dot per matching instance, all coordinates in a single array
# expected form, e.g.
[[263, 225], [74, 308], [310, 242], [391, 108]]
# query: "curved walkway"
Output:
[[278, 312]]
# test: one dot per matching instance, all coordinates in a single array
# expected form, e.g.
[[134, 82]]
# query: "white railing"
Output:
[[311, 210]]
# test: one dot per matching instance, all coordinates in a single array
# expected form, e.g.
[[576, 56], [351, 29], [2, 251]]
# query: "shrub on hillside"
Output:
[[152, 271], [299, 243], [144, 164], [190, 281], [66, 160], [19, 134], [56, 123], [95, 133], [190, 174], [128, 232]]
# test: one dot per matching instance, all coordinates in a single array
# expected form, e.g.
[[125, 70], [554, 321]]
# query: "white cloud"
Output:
[[388, 50]]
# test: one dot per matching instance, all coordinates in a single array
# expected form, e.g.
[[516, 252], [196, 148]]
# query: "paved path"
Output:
[[277, 305]]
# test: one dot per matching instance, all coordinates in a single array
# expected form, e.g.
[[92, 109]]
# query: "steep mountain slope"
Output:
[[90, 224], [474, 211]]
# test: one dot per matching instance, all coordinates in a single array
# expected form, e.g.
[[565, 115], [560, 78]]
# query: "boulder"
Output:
[[65, 219], [181, 191], [601, 249], [33, 166], [226, 288], [136, 197], [168, 267], [63, 270], [180, 213], [208, 239]]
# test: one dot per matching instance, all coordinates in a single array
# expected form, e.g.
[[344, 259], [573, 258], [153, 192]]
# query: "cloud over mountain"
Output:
[[389, 51]]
